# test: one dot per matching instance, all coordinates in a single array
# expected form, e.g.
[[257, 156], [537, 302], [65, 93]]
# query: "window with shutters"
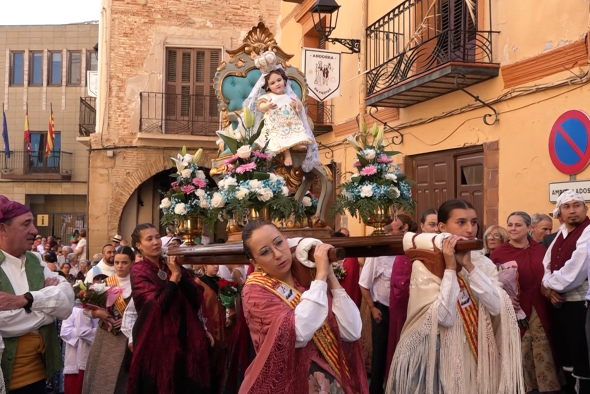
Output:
[[190, 101]]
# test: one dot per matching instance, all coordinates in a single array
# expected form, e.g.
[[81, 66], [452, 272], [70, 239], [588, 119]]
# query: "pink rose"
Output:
[[198, 182], [231, 159], [368, 170], [175, 186], [384, 159], [246, 168], [356, 163], [187, 189]]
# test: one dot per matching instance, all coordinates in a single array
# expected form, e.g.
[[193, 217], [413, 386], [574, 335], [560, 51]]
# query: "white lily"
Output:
[[352, 141]]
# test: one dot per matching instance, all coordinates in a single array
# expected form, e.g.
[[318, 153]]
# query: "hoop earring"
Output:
[[259, 269]]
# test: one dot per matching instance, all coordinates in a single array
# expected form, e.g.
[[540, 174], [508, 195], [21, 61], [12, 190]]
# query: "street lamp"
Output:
[[95, 47], [324, 15]]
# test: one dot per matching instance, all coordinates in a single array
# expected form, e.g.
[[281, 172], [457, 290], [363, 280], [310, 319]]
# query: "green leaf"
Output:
[[260, 175], [231, 143], [401, 177], [258, 132], [362, 159], [180, 196], [355, 178], [391, 152]]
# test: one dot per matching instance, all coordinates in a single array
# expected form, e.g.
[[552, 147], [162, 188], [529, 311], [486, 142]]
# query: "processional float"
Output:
[[252, 184]]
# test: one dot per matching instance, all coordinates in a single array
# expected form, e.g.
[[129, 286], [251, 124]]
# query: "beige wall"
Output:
[[525, 168]]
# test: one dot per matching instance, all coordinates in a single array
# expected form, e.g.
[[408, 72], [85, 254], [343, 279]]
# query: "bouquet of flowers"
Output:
[[248, 180], [98, 296], [227, 293], [189, 194], [508, 275], [378, 183], [339, 270]]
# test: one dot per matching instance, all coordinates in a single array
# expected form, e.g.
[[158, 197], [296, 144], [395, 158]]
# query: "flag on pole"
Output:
[[27, 133], [50, 135], [5, 134]]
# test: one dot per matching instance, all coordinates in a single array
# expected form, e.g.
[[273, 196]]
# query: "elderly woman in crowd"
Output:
[[541, 226], [494, 237]]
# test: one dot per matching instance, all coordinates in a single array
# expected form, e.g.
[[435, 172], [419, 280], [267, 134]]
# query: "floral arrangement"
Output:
[[378, 183], [227, 293], [189, 194], [339, 270], [249, 181], [508, 275], [310, 204], [98, 296]]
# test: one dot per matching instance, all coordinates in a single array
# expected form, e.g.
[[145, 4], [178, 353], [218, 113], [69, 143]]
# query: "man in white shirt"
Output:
[[375, 287], [41, 246], [565, 284], [106, 266], [81, 246], [31, 298]]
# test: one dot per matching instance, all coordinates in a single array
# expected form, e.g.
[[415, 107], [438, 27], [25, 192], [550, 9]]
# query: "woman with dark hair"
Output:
[[51, 262], [306, 341], [65, 269], [169, 336], [538, 362], [461, 334], [108, 349], [429, 221]]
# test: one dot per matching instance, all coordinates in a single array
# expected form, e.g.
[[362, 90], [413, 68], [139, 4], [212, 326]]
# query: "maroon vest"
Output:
[[564, 248]]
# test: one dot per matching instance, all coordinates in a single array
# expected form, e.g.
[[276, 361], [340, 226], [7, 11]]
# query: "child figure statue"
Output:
[[285, 120]]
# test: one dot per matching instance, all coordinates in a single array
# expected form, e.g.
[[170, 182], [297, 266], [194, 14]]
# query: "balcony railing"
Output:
[[169, 113], [321, 115], [87, 123], [419, 37], [22, 165]]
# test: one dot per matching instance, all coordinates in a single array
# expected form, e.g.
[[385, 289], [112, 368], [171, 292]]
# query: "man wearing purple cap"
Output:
[[31, 298]]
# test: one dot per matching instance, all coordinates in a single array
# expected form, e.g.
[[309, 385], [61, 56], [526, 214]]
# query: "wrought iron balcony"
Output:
[[35, 166], [170, 113], [87, 123], [424, 49], [321, 115]]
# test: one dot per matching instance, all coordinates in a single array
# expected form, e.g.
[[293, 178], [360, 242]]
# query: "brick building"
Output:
[[157, 60], [45, 67]]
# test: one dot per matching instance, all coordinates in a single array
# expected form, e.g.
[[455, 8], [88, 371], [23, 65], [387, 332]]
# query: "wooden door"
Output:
[[469, 180], [433, 174]]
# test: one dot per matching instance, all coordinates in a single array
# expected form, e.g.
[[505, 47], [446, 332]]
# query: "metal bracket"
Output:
[[353, 45], [476, 98], [329, 154], [398, 138]]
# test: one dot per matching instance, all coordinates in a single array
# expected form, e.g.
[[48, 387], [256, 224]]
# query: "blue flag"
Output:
[[5, 136]]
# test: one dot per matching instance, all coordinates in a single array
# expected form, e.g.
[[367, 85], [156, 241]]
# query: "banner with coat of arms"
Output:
[[322, 72]]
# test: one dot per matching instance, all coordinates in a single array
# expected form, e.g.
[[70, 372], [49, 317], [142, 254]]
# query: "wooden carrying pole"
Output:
[[233, 253]]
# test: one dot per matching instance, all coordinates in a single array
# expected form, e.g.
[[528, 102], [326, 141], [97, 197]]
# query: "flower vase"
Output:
[[233, 226], [259, 214], [190, 227], [379, 219]]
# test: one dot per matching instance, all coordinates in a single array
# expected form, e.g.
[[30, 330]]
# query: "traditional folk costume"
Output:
[[376, 277], [398, 302], [461, 334], [540, 372], [305, 341], [566, 264], [169, 341], [31, 348], [77, 332], [350, 282], [106, 356], [216, 319]]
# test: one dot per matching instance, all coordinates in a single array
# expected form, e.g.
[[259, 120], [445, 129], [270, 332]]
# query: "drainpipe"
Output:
[[362, 60]]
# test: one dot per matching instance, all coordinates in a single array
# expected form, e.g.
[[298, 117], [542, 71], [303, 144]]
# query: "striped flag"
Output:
[[5, 134], [27, 133], [50, 135]]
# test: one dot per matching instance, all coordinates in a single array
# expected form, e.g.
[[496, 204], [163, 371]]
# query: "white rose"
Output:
[[99, 288], [203, 203], [217, 201], [255, 184], [244, 151], [369, 154], [221, 184], [165, 203], [367, 191], [391, 177], [264, 194], [186, 173], [201, 174], [285, 191], [200, 193], [241, 193], [230, 182], [396, 190], [306, 201], [273, 177], [180, 209]]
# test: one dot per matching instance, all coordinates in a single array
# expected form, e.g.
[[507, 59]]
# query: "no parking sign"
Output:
[[569, 142]]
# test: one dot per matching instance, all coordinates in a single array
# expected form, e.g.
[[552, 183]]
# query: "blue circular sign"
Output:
[[569, 142]]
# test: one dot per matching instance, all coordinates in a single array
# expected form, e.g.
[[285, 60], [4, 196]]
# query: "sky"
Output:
[[48, 12]]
